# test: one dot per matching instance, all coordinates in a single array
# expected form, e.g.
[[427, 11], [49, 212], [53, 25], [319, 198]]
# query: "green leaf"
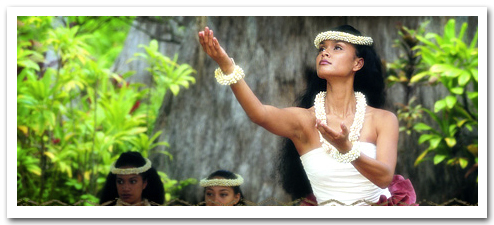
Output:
[[450, 101], [417, 77], [421, 127], [463, 162], [434, 142], [449, 29], [474, 40], [461, 122], [439, 105], [473, 95], [452, 130], [420, 158], [137, 130], [463, 78], [174, 88], [438, 158], [451, 142], [425, 137], [393, 79], [457, 90]]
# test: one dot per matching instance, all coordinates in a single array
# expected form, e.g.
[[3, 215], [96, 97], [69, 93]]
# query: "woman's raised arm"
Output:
[[284, 122]]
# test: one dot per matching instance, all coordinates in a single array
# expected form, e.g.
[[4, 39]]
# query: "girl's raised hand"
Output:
[[212, 47], [338, 139]]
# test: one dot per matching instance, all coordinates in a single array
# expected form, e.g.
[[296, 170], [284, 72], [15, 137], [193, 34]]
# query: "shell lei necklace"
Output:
[[358, 121]]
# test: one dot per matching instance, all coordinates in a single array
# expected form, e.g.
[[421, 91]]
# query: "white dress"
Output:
[[331, 180]]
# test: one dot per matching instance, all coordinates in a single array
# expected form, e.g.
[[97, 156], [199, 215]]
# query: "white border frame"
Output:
[[14, 211]]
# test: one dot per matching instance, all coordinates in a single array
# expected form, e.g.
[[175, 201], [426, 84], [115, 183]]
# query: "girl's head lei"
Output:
[[127, 171], [342, 36], [222, 182]]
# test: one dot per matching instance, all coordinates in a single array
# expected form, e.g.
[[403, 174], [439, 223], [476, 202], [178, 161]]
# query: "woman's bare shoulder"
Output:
[[382, 116]]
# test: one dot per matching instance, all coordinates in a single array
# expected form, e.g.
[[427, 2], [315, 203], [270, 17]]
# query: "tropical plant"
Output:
[[167, 74], [448, 61], [454, 64], [401, 71], [75, 116]]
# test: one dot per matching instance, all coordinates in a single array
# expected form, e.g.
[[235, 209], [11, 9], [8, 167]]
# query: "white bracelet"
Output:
[[236, 75], [348, 157]]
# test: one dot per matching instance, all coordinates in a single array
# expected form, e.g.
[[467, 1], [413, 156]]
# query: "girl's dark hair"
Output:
[[369, 80], [154, 191], [228, 175]]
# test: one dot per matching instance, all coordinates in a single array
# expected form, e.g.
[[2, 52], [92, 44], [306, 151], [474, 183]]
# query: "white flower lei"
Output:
[[222, 182], [127, 171], [354, 135], [342, 36]]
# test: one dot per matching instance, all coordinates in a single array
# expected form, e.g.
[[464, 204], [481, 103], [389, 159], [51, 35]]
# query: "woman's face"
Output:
[[221, 196], [337, 58], [129, 187]]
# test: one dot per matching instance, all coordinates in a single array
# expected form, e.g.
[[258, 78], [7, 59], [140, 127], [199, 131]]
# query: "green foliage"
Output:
[[448, 61], [76, 118], [454, 64], [409, 114], [408, 63], [401, 71], [167, 75]]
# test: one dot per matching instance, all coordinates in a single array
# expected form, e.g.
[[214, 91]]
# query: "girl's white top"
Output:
[[331, 180]]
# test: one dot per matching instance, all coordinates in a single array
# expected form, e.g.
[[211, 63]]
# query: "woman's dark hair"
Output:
[[154, 191], [369, 80], [228, 175]]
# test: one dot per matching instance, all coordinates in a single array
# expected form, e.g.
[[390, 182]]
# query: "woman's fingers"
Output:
[[216, 44], [210, 39], [338, 139], [326, 131], [206, 35], [344, 129], [209, 43], [331, 134]]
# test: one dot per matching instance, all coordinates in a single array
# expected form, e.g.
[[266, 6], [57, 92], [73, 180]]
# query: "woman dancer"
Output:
[[132, 181], [222, 188], [348, 149]]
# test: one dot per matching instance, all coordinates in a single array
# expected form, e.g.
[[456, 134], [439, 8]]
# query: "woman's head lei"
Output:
[[222, 182], [136, 170], [342, 36]]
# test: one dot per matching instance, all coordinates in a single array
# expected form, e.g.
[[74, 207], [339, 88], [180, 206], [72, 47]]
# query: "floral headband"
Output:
[[127, 171], [342, 36], [222, 182]]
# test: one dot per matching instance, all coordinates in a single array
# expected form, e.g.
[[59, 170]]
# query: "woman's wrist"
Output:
[[227, 65], [231, 77], [348, 157], [346, 148]]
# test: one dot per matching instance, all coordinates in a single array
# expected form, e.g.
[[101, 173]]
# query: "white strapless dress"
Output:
[[331, 180]]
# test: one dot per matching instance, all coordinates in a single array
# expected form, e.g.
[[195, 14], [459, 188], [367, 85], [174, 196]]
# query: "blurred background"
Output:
[[90, 88]]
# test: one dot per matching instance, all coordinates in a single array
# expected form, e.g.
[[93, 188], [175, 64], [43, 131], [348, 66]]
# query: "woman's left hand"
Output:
[[338, 139]]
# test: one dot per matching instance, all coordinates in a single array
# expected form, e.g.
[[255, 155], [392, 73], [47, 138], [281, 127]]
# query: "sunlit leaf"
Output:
[[450, 101], [473, 148], [420, 158], [457, 90], [451, 142], [463, 162], [425, 137], [434, 142], [421, 127], [463, 78], [438, 158]]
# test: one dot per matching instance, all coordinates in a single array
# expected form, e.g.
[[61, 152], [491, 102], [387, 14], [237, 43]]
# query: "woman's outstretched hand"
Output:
[[338, 139], [212, 47]]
